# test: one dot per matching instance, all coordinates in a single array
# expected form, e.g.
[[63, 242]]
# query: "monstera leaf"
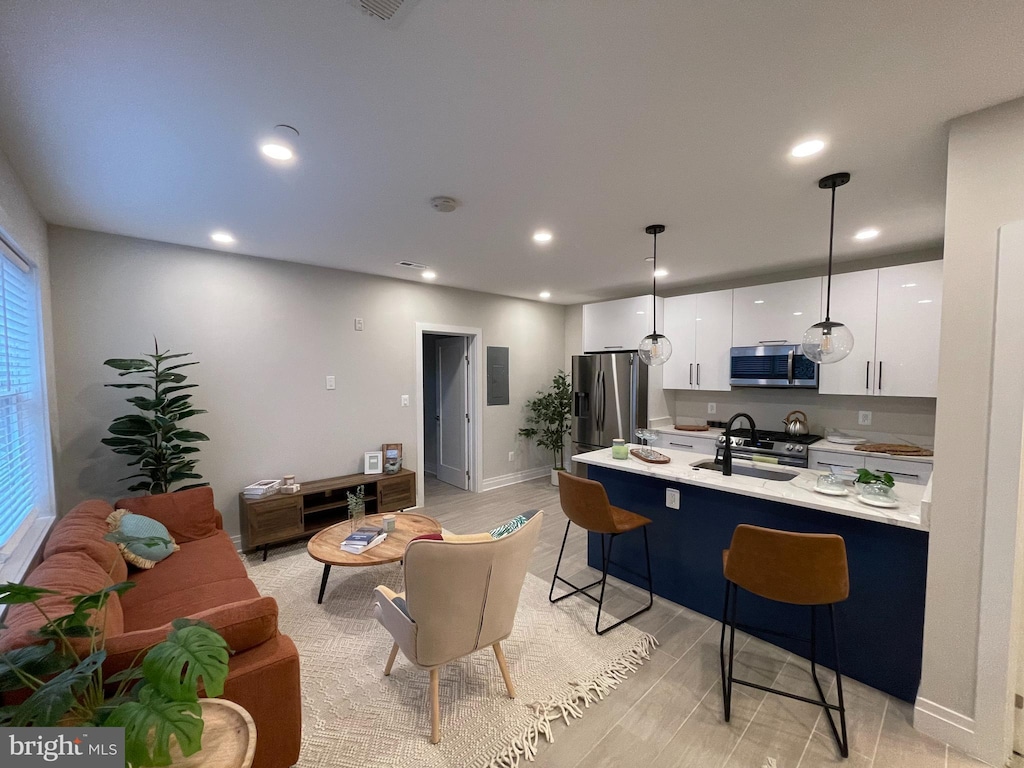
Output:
[[55, 698], [150, 722], [191, 651]]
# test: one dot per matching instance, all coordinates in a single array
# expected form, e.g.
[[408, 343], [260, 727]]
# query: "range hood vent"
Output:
[[389, 12]]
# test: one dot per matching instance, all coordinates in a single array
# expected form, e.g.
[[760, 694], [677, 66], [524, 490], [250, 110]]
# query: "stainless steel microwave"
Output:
[[783, 365]]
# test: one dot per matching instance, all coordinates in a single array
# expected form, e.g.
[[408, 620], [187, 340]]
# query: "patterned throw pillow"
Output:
[[513, 525], [148, 550]]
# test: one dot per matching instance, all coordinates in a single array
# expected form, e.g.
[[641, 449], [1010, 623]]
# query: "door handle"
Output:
[[879, 375], [698, 374], [681, 445], [867, 374], [789, 366], [600, 414], [614, 346], [772, 341], [691, 374]]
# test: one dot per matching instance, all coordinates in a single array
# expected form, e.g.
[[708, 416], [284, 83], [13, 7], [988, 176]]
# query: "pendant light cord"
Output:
[[654, 284], [831, 237]]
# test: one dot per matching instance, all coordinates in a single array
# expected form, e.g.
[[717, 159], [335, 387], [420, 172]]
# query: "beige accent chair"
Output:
[[461, 596]]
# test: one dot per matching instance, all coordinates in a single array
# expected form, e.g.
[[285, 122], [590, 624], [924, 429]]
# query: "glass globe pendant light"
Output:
[[655, 348], [828, 341]]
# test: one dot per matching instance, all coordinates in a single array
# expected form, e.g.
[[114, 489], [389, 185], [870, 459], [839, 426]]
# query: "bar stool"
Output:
[[795, 568], [585, 503]]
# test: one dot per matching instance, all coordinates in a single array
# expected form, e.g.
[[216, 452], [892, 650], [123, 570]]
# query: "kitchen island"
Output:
[[881, 625]]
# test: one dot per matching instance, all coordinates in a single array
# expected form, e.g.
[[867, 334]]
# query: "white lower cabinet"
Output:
[[681, 440], [821, 461], [902, 471]]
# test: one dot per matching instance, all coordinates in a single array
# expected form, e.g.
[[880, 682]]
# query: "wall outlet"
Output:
[[330, 382], [359, 323], [672, 498], [405, 401], [864, 418], [712, 409], [511, 455]]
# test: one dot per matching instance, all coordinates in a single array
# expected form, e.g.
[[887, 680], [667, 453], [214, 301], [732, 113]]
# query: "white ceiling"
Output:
[[593, 118]]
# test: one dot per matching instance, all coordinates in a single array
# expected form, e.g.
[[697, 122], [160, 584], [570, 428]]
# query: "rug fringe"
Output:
[[572, 703]]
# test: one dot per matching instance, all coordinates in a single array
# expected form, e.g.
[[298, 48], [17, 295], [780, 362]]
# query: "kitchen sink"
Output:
[[780, 475]]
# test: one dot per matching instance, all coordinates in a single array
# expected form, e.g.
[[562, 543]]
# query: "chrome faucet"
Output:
[[727, 450]]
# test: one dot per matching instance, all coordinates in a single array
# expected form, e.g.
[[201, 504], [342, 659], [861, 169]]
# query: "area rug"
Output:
[[355, 717]]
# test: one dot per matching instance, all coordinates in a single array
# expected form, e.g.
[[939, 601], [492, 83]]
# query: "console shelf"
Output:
[[283, 517]]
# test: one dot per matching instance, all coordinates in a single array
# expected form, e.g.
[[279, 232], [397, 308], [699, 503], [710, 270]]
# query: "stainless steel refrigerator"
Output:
[[609, 400]]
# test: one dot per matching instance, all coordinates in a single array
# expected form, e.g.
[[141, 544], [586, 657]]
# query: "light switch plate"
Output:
[[672, 498], [330, 382], [511, 455], [359, 323], [405, 401]]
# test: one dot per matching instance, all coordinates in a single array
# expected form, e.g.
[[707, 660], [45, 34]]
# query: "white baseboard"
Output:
[[944, 724], [490, 483]]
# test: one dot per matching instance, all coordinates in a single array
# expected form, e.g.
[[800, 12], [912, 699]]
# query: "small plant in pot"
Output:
[[875, 487], [549, 420], [154, 698]]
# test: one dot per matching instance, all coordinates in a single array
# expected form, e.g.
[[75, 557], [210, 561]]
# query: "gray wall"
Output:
[[266, 334], [984, 190]]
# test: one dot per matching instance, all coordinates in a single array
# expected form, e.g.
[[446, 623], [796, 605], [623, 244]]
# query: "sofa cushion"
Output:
[[68, 574], [83, 535], [142, 554], [186, 602], [189, 515]]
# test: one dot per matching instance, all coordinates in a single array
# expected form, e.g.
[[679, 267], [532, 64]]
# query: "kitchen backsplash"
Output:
[[914, 416]]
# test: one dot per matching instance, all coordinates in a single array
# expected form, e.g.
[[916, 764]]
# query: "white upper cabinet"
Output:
[[613, 326], [854, 304], [681, 329], [700, 329], [714, 339], [907, 335], [778, 313]]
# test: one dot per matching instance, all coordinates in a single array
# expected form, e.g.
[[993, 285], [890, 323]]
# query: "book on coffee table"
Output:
[[363, 539]]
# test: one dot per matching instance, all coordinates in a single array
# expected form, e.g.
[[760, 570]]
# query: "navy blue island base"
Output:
[[881, 625]]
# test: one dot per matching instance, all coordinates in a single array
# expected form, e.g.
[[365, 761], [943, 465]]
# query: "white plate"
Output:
[[878, 502], [846, 440], [831, 491]]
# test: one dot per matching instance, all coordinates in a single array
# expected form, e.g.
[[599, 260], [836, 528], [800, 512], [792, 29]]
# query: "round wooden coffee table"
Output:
[[326, 545]]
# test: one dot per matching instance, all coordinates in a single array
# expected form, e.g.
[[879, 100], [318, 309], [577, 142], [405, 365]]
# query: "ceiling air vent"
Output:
[[390, 12], [411, 264]]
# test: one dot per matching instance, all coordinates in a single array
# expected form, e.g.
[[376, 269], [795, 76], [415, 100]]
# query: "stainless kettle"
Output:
[[796, 426]]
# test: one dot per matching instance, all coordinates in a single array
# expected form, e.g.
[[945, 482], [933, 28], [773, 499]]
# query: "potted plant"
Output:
[[549, 420], [155, 436], [151, 700]]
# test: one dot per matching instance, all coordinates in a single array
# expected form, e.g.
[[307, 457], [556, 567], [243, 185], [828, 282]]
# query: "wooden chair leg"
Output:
[[503, 666], [391, 659], [435, 708]]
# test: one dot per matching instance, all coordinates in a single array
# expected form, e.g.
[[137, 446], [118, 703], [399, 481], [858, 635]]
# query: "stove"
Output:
[[786, 449]]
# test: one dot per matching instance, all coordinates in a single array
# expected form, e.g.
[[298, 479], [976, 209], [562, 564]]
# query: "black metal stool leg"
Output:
[[732, 653], [554, 578], [605, 556], [721, 650], [844, 744]]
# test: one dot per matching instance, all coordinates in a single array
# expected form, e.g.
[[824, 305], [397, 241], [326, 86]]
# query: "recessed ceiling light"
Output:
[[807, 148], [660, 272], [759, 301], [925, 301], [798, 313], [866, 234], [429, 274], [545, 294], [542, 236], [277, 151], [220, 236]]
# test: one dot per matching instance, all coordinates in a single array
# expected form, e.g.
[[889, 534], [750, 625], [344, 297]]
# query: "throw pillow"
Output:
[[513, 525], [138, 553]]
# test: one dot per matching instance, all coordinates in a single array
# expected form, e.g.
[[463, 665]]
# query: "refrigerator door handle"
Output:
[[601, 399]]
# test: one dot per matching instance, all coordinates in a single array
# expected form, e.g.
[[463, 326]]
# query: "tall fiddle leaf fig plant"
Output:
[[549, 418], [155, 435]]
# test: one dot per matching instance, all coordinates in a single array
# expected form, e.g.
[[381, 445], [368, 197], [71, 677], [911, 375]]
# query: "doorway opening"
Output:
[[448, 412]]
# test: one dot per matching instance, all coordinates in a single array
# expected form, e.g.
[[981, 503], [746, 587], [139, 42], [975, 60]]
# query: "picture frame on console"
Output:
[[373, 463]]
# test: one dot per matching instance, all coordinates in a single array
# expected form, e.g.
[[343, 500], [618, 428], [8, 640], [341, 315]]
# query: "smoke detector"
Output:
[[444, 204], [389, 12]]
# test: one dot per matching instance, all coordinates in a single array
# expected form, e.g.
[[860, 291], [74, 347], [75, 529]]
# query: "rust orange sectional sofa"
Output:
[[205, 580]]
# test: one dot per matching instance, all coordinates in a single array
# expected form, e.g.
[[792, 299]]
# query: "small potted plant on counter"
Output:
[[549, 420], [875, 489]]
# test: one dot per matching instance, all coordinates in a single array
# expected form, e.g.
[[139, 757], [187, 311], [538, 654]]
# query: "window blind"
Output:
[[23, 462]]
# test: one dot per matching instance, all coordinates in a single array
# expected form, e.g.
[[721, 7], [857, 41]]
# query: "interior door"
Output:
[[453, 412]]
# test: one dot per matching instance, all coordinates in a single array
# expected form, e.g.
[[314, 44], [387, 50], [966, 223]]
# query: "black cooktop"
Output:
[[778, 437]]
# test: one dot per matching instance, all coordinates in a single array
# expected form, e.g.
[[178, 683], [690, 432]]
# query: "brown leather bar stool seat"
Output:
[[585, 503], [795, 568]]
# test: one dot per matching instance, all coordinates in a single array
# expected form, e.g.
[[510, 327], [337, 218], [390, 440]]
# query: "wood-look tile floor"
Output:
[[669, 714]]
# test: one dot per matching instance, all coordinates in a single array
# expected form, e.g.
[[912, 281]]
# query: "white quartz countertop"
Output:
[[799, 491], [822, 445]]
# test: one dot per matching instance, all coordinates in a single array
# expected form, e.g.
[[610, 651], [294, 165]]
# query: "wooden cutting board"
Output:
[[659, 458], [692, 427], [894, 449]]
